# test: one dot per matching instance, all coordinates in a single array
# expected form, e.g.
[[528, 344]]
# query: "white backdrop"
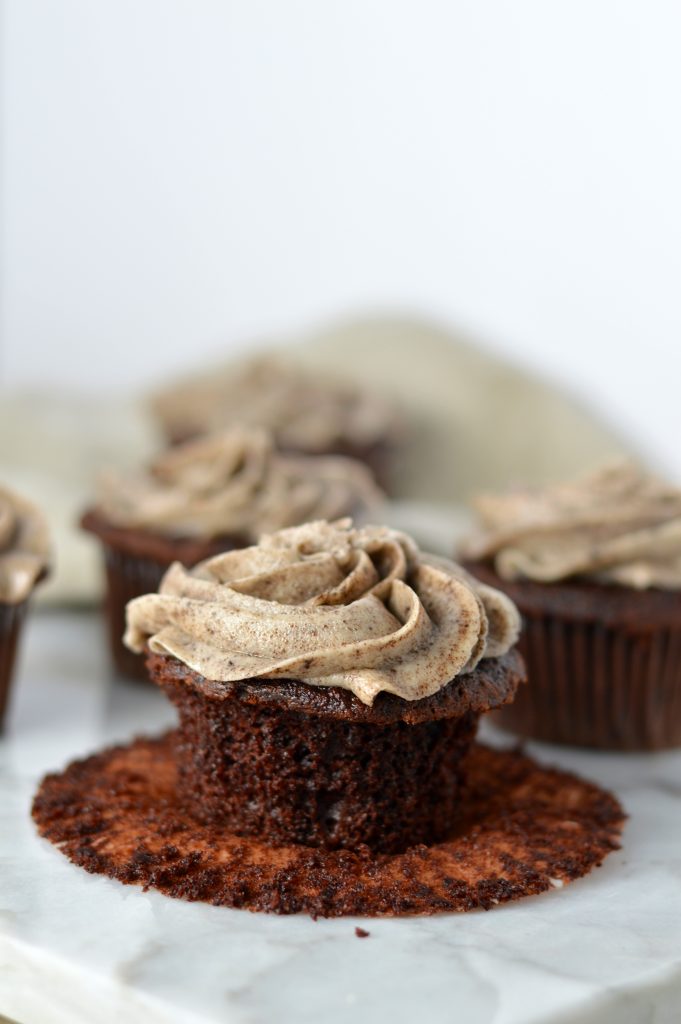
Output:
[[184, 176]]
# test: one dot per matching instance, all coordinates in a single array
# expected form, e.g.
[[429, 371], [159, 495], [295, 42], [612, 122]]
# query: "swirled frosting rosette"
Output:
[[329, 605], [304, 411], [24, 547], [235, 483], [619, 525]]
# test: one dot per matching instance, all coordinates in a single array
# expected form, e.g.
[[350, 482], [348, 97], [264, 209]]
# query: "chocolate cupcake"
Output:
[[304, 411], [594, 567], [205, 497], [24, 555], [329, 682]]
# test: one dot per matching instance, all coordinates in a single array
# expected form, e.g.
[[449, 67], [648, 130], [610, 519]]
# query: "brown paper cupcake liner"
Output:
[[598, 686], [603, 664], [135, 561], [11, 620], [127, 576], [521, 829]]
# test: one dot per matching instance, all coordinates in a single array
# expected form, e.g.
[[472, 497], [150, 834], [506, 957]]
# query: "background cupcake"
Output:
[[24, 555], [329, 683], [208, 496], [595, 569], [304, 410]]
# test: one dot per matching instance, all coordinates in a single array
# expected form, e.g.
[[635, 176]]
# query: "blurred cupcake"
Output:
[[207, 496], [329, 682], [24, 556], [305, 411], [594, 567]]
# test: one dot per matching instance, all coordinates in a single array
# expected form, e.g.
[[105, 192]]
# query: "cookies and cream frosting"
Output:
[[329, 605], [304, 411], [235, 483], [24, 547], [619, 525]]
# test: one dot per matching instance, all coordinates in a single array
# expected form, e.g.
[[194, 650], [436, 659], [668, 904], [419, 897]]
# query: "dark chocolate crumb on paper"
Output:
[[520, 829]]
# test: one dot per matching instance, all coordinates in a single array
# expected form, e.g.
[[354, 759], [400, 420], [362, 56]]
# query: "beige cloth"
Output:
[[474, 423], [51, 449]]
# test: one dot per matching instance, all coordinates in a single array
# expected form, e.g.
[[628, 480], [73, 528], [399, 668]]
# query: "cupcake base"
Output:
[[294, 763], [603, 664], [11, 620], [521, 829]]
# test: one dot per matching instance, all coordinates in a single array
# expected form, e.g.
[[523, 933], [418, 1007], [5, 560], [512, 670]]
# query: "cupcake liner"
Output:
[[520, 829], [597, 685], [127, 576], [603, 663], [11, 620], [135, 561]]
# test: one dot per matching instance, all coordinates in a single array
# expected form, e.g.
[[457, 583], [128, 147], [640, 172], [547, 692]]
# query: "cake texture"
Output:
[[205, 497], [303, 410], [24, 559], [594, 567], [289, 762]]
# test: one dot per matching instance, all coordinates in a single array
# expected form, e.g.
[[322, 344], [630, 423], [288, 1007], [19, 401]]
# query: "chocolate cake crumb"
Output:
[[361, 933], [520, 827]]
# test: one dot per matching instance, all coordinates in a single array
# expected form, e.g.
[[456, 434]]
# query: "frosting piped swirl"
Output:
[[24, 547], [236, 483], [329, 605], [304, 411], [619, 525]]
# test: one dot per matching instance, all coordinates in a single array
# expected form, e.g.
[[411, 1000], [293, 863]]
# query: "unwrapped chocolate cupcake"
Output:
[[594, 566], [329, 682], [207, 496], [24, 557], [304, 411]]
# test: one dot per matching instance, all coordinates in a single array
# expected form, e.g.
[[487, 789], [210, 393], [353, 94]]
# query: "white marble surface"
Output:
[[80, 949]]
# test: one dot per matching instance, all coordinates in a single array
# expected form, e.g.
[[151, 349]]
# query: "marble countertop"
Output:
[[82, 949]]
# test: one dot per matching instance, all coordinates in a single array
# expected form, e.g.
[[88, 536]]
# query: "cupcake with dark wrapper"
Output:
[[329, 682], [205, 497], [24, 556], [594, 567], [304, 411]]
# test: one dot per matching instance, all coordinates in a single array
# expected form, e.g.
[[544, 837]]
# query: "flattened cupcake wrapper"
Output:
[[11, 620], [521, 829], [596, 685]]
